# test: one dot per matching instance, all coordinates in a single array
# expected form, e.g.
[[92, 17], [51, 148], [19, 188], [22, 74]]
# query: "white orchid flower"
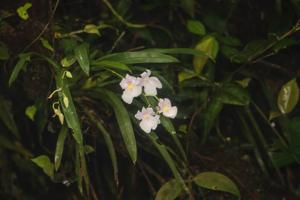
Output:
[[149, 119], [132, 88], [150, 83], [165, 107]]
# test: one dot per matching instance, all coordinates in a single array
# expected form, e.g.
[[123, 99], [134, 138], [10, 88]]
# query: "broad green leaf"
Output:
[[108, 64], [60, 146], [196, 27], [167, 157], [288, 96], [216, 181], [46, 44], [234, 94], [6, 116], [91, 29], [4, 53], [210, 115], [82, 57], [46, 165], [30, 112], [108, 142], [68, 61], [210, 46], [24, 58], [185, 75], [23, 11], [138, 57], [169, 191], [124, 122], [294, 134]]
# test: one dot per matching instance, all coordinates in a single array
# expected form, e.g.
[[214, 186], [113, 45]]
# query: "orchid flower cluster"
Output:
[[134, 87]]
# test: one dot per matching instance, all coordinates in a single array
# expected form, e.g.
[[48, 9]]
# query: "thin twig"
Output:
[[44, 29]]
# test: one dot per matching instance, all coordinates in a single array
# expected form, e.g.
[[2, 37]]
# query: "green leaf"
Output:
[[108, 64], [139, 57], [196, 27], [186, 74], [46, 165], [288, 96], [60, 146], [30, 112], [46, 44], [210, 46], [210, 115], [23, 11], [216, 181], [234, 94], [6, 116], [169, 191], [68, 61], [124, 122], [4, 54], [187, 51], [88, 149], [167, 157], [91, 29], [24, 58], [244, 82], [82, 57]]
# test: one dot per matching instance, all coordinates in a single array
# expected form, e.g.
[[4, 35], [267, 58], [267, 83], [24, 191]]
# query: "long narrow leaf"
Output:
[[124, 122], [60, 146], [167, 157], [108, 64], [24, 58], [139, 57]]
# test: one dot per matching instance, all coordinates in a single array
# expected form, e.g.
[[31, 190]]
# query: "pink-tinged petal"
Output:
[[123, 83], [127, 97], [146, 126], [136, 91], [155, 82], [138, 115], [150, 90], [171, 113]]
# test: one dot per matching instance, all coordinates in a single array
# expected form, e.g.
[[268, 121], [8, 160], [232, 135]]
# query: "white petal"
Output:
[[171, 113], [123, 83], [127, 97], [156, 82], [150, 90], [136, 91], [146, 125], [138, 115]]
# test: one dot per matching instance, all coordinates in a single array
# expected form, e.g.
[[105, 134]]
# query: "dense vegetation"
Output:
[[127, 99]]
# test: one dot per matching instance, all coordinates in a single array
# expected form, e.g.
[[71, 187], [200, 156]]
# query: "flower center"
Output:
[[166, 109], [130, 86], [146, 116]]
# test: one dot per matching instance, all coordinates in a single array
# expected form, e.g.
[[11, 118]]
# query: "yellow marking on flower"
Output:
[[166, 109], [130, 86]]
